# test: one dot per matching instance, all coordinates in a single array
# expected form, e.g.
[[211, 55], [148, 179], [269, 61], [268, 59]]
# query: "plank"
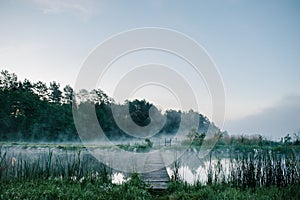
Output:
[[158, 179]]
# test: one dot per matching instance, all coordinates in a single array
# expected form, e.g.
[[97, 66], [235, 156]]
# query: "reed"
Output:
[[256, 168]]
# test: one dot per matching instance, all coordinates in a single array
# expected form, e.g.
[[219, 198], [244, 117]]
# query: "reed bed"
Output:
[[74, 174], [51, 163]]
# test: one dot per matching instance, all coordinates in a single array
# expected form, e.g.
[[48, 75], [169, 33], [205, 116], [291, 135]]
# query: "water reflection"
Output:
[[192, 173]]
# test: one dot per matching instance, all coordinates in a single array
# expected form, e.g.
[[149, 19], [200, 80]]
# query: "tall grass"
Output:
[[255, 174], [257, 168], [65, 164]]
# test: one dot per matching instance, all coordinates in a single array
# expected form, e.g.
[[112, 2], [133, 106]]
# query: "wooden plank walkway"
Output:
[[159, 178]]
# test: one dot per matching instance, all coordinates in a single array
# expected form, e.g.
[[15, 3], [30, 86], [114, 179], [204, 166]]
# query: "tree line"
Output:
[[35, 111]]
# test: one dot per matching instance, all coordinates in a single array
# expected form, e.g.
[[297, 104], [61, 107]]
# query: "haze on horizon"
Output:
[[255, 45]]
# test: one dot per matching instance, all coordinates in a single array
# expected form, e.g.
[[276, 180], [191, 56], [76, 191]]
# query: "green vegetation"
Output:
[[133, 189], [37, 112], [184, 191], [222, 140], [144, 147], [256, 174], [47, 164], [70, 189]]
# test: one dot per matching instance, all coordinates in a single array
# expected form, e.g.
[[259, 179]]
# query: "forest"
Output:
[[35, 111]]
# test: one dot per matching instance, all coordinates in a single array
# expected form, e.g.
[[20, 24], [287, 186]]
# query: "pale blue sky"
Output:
[[255, 45]]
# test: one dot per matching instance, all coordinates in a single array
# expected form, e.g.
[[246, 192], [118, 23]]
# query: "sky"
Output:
[[254, 44]]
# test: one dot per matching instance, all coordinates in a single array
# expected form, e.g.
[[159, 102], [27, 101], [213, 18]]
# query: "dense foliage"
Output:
[[37, 112], [61, 189]]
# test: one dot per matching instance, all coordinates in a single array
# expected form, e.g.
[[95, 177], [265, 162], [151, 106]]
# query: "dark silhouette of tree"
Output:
[[68, 94], [139, 111], [55, 93], [173, 121], [8, 80], [41, 90], [32, 111], [98, 96]]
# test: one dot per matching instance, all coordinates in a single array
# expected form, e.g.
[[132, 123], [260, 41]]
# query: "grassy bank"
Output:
[[59, 173], [136, 189]]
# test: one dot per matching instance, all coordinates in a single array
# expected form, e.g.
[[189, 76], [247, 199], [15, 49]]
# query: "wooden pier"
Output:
[[159, 178]]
